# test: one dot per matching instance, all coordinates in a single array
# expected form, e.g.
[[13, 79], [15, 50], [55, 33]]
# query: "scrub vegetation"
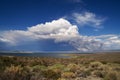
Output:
[[80, 67]]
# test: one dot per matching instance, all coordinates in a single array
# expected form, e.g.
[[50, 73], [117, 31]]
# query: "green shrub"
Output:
[[98, 73], [86, 73], [38, 68], [95, 64], [56, 66], [72, 67], [98, 66], [112, 75], [67, 75], [27, 69], [13, 73], [61, 79], [50, 74]]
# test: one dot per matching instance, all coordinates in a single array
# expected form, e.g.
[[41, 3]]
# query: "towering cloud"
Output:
[[61, 30]]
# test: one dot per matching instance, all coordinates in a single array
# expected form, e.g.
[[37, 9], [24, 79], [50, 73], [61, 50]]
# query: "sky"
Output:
[[59, 25]]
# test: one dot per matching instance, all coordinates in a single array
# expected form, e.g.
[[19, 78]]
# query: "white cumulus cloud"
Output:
[[60, 27], [61, 30]]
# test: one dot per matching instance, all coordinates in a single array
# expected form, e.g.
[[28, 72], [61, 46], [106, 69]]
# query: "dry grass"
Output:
[[83, 67]]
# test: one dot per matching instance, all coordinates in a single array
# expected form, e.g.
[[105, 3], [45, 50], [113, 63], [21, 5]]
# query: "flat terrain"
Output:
[[97, 66]]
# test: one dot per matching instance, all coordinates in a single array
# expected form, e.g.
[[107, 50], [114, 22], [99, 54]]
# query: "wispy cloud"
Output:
[[88, 18]]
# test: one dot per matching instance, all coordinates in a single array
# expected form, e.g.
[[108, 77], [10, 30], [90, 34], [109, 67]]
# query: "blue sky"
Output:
[[82, 25]]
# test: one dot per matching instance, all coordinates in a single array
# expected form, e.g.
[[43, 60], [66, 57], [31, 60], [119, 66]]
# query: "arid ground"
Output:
[[97, 66]]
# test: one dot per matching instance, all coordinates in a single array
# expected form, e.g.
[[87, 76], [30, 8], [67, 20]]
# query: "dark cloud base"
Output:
[[41, 45]]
